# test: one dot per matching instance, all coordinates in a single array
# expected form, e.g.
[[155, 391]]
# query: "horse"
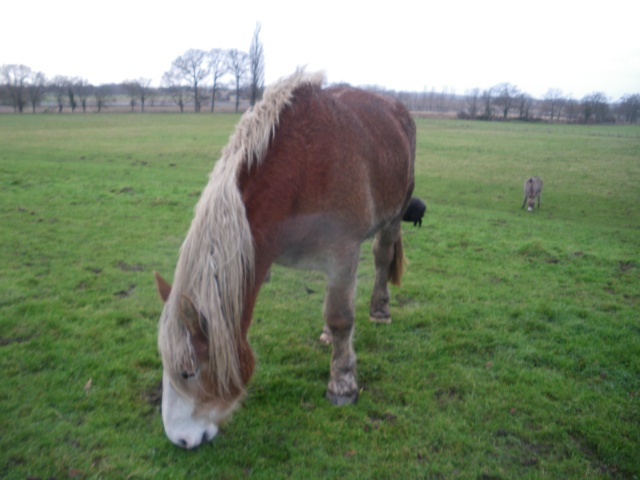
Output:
[[415, 211], [532, 189], [309, 173]]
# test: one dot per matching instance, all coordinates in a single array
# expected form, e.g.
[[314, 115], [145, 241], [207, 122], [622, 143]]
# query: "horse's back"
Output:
[[533, 186], [358, 150], [339, 167]]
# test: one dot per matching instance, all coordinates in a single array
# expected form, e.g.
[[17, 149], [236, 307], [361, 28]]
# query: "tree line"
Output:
[[193, 78], [198, 78], [505, 101]]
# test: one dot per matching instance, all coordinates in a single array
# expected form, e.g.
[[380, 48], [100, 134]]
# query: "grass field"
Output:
[[514, 350]]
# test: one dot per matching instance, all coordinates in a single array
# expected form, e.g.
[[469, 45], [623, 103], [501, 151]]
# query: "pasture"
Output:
[[514, 350]]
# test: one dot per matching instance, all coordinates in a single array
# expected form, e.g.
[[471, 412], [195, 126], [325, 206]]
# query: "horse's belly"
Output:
[[303, 260]]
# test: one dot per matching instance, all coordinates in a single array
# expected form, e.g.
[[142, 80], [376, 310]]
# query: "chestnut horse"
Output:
[[307, 176]]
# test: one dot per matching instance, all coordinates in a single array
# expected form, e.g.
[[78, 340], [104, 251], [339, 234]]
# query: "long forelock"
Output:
[[214, 269], [216, 261]]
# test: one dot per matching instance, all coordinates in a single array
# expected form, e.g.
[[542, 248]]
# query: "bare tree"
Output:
[[445, 100], [432, 99], [256, 65], [35, 89], [422, 99], [15, 79], [571, 107], [630, 107], [595, 105], [473, 97], [487, 100], [562, 102], [71, 92], [587, 109], [59, 88], [173, 82], [553, 102], [218, 68], [193, 67], [137, 90], [524, 101], [237, 64], [144, 91], [505, 96], [102, 95], [132, 89], [83, 88]]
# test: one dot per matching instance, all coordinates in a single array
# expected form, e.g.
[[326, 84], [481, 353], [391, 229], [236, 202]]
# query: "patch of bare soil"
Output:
[[4, 341], [153, 395], [125, 267], [626, 266], [125, 293]]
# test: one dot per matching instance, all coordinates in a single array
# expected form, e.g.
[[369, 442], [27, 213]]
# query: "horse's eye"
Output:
[[189, 375]]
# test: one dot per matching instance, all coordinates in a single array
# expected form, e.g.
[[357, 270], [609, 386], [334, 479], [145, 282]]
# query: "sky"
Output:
[[415, 45]]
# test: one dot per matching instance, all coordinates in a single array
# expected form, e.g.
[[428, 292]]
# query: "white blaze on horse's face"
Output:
[[184, 423], [531, 203], [191, 411]]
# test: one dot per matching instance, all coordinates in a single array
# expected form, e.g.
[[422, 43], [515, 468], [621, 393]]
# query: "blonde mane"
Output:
[[216, 261]]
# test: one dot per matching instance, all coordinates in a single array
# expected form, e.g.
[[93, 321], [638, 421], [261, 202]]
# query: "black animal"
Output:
[[415, 211]]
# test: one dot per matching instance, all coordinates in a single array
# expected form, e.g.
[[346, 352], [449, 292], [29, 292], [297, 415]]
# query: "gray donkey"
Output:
[[532, 189]]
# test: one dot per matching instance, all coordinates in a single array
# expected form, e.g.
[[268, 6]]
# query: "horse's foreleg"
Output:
[[339, 314], [383, 253]]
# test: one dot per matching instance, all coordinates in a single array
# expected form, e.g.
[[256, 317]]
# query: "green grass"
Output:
[[514, 350]]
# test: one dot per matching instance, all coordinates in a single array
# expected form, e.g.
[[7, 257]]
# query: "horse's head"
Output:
[[531, 203], [192, 406]]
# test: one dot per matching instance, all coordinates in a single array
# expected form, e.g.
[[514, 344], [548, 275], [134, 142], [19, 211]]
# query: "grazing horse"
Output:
[[415, 212], [532, 189], [308, 174]]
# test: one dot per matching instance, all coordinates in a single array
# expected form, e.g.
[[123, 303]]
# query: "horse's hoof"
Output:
[[340, 400], [326, 338], [379, 318]]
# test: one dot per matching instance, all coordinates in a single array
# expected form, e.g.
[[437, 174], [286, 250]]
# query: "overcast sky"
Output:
[[576, 46]]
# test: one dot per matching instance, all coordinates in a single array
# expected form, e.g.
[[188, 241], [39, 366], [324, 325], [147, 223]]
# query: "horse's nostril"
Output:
[[183, 443], [205, 437]]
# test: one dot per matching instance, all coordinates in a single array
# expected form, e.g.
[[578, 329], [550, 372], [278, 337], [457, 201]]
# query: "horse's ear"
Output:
[[164, 289], [191, 317]]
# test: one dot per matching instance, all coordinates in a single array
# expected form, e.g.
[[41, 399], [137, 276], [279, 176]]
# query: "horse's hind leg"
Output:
[[339, 314], [384, 252]]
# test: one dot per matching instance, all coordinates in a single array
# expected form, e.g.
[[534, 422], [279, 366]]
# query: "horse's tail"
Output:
[[396, 269]]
